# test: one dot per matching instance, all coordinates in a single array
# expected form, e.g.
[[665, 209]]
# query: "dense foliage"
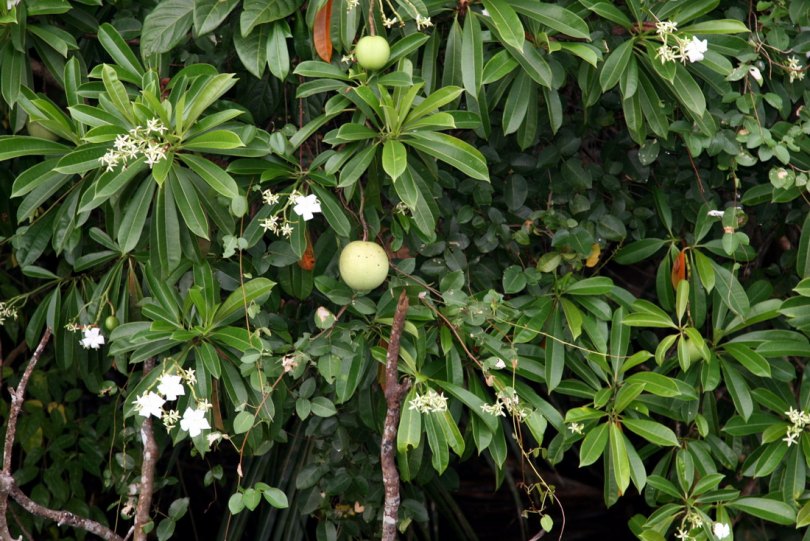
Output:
[[598, 210]]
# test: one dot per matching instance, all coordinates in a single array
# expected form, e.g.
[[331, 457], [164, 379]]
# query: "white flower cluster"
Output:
[[795, 70], [7, 312], [508, 401], [430, 402], [423, 22], [170, 386], [800, 420], [147, 141], [305, 206], [682, 50]]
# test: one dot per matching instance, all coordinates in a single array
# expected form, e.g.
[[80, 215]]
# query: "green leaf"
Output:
[[276, 498], [81, 160], [14, 146], [131, 227], [472, 55], [278, 56], [437, 442], [738, 389], [205, 91], [730, 291], [688, 92], [435, 101], [209, 14], [452, 151], [214, 140], [553, 16], [254, 290], [235, 503], [256, 12], [506, 22], [252, 50], [608, 11], [615, 64], [593, 445], [166, 26], [771, 510], [555, 353], [332, 211], [619, 461], [394, 158], [717, 26], [212, 174], [750, 359], [356, 166], [243, 422], [119, 51], [652, 431], [409, 433]]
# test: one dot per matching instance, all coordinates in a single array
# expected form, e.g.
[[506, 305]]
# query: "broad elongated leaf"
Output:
[[506, 22], [166, 26], [452, 151]]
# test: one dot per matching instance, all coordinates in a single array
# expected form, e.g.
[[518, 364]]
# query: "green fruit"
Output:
[[363, 265], [35, 129], [111, 323], [372, 52]]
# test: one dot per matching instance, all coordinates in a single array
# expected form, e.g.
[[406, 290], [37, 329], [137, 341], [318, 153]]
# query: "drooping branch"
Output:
[[148, 464], [8, 486], [394, 392]]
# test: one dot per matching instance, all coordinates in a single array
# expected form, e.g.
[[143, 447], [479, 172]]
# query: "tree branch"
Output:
[[394, 392], [8, 486], [148, 464]]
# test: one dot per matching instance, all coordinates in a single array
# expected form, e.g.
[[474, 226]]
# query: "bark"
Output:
[[394, 392], [147, 484]]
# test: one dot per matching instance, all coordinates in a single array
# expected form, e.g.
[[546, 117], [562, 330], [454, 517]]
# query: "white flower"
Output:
[[351, 4], [307, 206], [286, 230], [289, 363], [11, 3], [754, 72], [155, 125], [269, 197], [270, 224], [715, 213], [150, 404], [423, 22], [388, 23], [194, 421], [93, 339], [682, 534], [495, 409], [170, 387], [663, 28], [721, 530], [576, 428], [347, 58], [499, 364], [429, 402], [666, 54], [695, 49]]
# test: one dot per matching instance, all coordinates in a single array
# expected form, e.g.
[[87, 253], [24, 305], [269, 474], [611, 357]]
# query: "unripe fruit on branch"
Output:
[[363, 265]]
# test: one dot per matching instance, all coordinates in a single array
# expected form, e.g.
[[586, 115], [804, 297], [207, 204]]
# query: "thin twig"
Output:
[[394, 392], [8, 486], [148, 464]]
